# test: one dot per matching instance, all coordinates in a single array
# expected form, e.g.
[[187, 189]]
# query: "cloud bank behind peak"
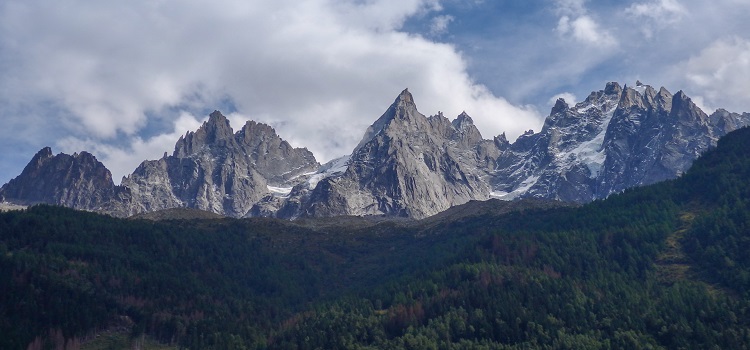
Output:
[[120, 78]]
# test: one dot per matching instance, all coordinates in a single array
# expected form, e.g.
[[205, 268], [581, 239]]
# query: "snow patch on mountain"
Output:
[[521, 189], [589, 153], [406, 165], [279, 191], [333, 168]]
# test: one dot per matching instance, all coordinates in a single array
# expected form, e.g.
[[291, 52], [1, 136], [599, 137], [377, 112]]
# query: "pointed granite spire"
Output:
[[214, 132], [403, 108], [405, 97], [462, 119]]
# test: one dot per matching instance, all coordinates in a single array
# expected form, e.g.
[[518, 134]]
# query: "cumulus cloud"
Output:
[[571, 7], [575, 22], [569, 98], [658, 10], [121, 160], [656, 14], [718, 74], [319, 71], [439, 24], [527, 64], [584, 29]]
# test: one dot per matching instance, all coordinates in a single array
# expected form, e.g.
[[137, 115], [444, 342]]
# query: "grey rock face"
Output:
[[78, 181], [214, 169], [654, 138], [724, 122], [211, 169], [616, 139], [406, 165], [560, 161]]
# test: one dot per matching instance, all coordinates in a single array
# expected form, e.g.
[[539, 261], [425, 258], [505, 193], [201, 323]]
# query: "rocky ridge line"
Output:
[[406, 165]]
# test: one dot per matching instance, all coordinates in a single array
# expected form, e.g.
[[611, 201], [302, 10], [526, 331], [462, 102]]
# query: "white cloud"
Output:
[[584, 29], [379, 15], [658, 10], [576, 22], [439, 24], [701, 103], [529, 59], [569, 98], [571, 7], [656, 14], [319, 71], [123, 160], [717, 75]]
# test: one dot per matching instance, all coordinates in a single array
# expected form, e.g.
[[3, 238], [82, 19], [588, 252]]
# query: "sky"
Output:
[[124, 79]]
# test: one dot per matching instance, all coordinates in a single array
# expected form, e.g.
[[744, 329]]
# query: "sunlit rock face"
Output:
[[617, 138], [77, 181], [406, 165], [215, 169]]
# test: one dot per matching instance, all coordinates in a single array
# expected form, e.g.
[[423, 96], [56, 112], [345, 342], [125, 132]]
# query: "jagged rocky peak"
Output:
[[38, 160], [501, 141], [78, 181], [214, 132], [216, 128], [631, 97], [568, 123], [260, 138], [613, 88], [561, 116], [466, 133], [617, 138], [644, 96], [273, 157], [664, 99], [405, 165], [685, 110], [403, 108], [43, 153], [725, 122], [217, 170], [560, 106], [463, 121], [270, 155], [525, 141], [442, 125], [253, 133], [405, 98], [625, 97]]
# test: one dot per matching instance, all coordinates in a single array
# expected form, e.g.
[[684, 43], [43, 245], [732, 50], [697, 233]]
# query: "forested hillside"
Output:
[[199, 283], [663, 266]]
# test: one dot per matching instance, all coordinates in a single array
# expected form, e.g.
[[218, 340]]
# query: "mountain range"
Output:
[[663, 266], [406, 165]]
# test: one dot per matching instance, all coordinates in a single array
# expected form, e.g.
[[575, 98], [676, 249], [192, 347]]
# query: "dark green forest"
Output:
[[663, 266]]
